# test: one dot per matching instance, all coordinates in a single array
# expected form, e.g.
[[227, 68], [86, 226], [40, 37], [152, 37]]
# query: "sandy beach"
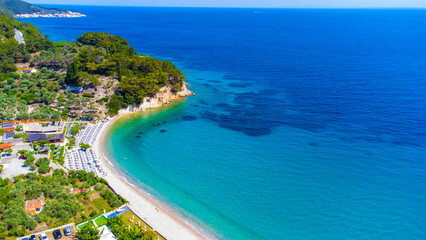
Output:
[[159, 216]]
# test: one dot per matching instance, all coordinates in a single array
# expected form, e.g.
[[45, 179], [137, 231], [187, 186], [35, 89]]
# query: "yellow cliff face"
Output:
[[163, 97]]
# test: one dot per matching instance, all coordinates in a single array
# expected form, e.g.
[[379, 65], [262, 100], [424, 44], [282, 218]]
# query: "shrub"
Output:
[[18, 135], [88, 95]]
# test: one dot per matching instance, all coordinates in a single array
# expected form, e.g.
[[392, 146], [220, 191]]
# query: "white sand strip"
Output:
[[160, 217]]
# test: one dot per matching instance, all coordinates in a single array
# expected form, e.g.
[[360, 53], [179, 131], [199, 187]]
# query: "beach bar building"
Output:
[[53, 138], [37, 128]]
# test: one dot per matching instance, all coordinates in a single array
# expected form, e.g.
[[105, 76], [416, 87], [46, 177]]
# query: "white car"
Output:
[[43, 236]]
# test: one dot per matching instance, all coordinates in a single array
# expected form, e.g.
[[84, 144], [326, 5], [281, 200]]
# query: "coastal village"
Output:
[[65, 14], [67, 145], [52, 118], [54, 140]]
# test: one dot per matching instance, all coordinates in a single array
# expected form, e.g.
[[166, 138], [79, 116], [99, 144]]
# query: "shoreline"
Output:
[[166, 221]]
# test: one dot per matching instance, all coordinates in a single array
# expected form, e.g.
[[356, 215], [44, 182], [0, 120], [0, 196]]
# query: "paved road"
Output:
[[19, 37], [50, 230]]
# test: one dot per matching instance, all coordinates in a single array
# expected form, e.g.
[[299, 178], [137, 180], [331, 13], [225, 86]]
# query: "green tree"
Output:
[[87, 232], [119, 76], [43, 165], [72, 71], [114, 105], [29, 159], [75, 130], [84, 146]]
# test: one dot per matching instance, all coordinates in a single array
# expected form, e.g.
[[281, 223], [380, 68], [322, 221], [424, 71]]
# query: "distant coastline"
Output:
[[65, 14], [23, 9]]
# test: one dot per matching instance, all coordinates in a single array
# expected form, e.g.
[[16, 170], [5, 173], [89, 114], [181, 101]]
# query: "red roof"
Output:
[[8, 129], [28, 68], [77, 191], [6, 145], [31, 206]]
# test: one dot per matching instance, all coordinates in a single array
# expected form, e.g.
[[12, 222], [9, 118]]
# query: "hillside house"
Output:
[[30, 70], [34, 206]]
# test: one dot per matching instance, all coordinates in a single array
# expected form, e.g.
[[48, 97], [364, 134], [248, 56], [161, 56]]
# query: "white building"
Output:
[[30, 70], [106, 234]]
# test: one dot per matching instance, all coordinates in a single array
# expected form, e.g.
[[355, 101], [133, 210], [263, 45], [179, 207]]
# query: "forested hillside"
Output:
[[10, 51], [106, 66], [21, 7]]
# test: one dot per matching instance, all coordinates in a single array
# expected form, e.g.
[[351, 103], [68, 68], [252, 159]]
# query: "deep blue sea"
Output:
[[307, 124]]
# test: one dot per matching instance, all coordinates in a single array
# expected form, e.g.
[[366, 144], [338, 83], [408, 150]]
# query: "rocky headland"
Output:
[[163, 97]]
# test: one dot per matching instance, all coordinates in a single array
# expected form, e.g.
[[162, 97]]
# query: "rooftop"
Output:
[[6, 145], [55, 137], [31, 206], [39, 128], [106, 234], [33, 137], [78, 191], [8, 135], [7, 125], [44, 149]]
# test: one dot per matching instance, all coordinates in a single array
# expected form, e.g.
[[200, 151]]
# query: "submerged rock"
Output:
[[163, 131], [189, 118]]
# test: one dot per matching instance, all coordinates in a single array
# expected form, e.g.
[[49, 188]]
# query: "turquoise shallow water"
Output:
[[307, 124], [281, 186]]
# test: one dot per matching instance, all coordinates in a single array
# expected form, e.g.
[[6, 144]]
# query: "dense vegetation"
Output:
[[123, 232], [40, 90], [96, 60], [57, 57], [20, 7], [60, 206], [109, 55], [10, 51], [88, 232]]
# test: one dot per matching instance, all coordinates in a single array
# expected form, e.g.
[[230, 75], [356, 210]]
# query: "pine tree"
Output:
[[72, 70], [119, 71]]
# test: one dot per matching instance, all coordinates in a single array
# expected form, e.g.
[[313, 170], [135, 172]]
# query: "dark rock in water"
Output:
[[153, 125], [313, 144], [189, 118], [163, 131], [138, 136], [238, 85], [164, 121], [177, 118], [140, 132]]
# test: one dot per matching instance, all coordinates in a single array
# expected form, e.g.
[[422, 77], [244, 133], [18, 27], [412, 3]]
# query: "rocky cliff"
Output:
[[163, 97]]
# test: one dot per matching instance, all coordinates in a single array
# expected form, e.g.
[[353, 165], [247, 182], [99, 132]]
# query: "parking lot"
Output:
[[50, 234]]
